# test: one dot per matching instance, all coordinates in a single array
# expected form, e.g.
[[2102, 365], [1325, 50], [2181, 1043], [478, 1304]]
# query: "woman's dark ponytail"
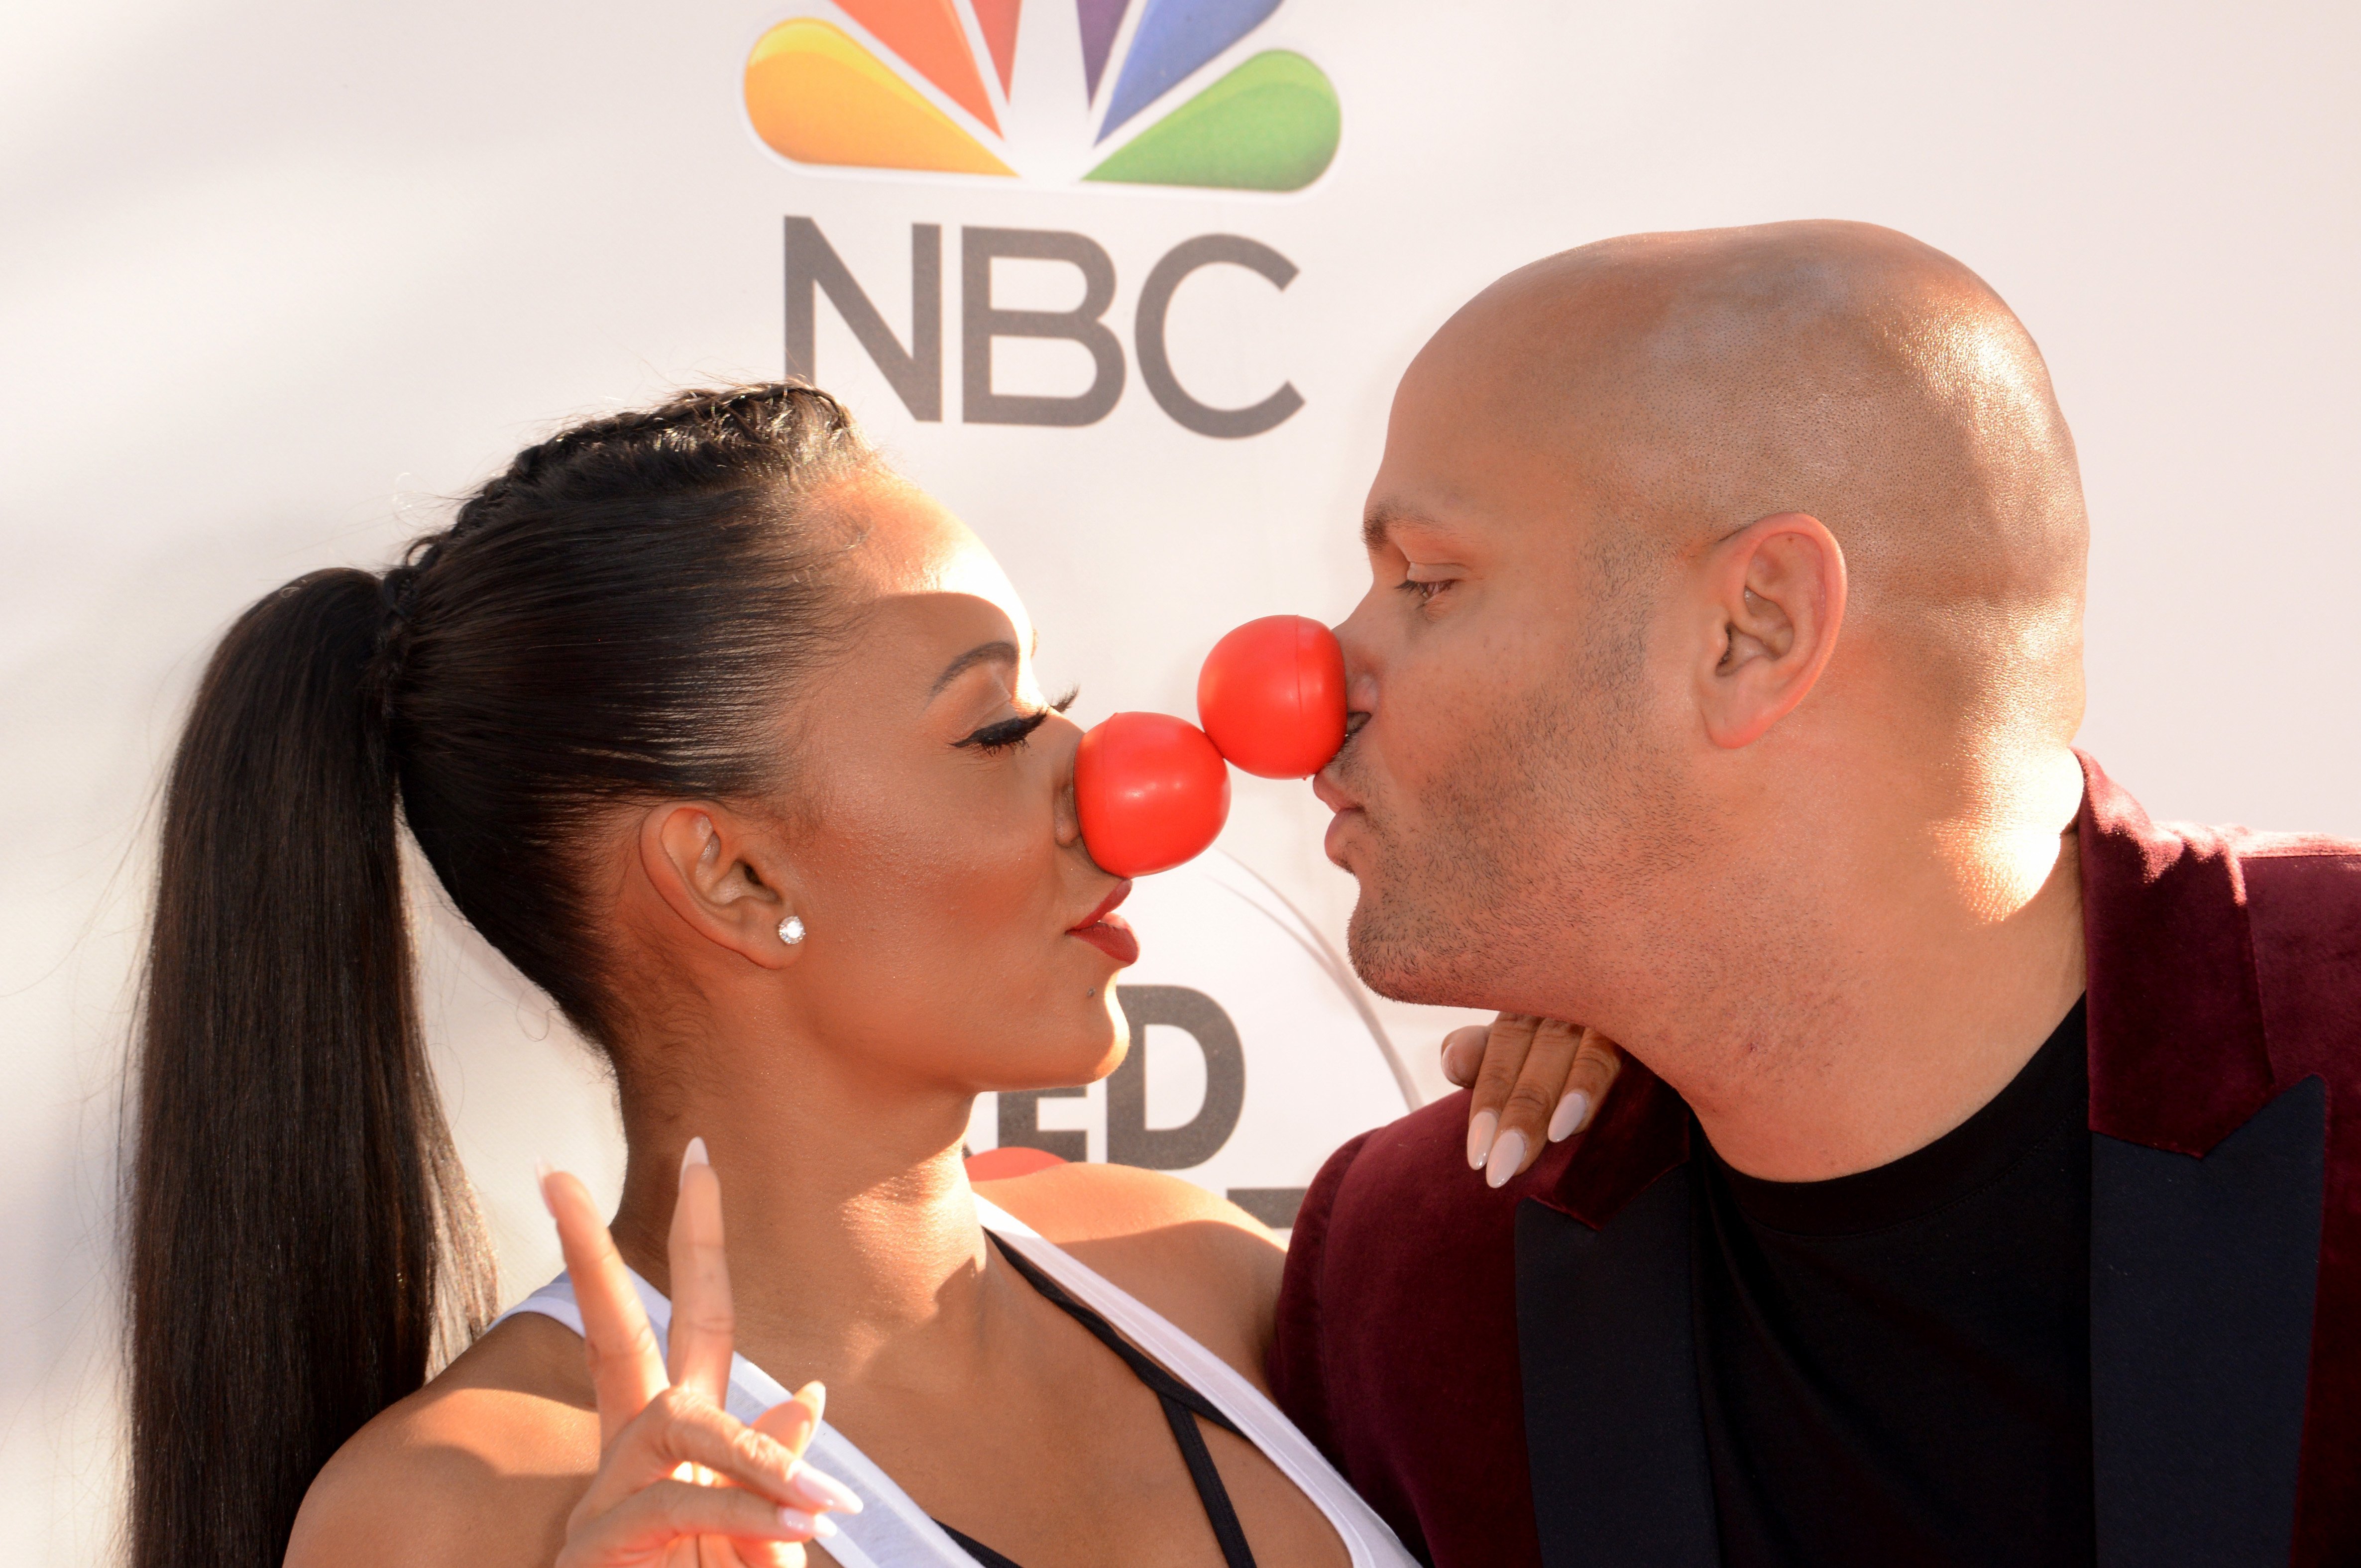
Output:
[[299, 1224], [616, 619]]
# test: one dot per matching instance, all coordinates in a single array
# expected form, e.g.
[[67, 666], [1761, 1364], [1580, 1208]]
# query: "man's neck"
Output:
[[1932, 969]]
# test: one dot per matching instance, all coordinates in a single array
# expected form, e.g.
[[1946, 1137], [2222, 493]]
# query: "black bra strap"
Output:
[[1227, 1532], [1183, 1407], [984, 1555], [1165, 1386]]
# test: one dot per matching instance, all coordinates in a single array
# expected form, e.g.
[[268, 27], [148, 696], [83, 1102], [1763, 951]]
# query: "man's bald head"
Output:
[[1692, 383], [1640, 501]]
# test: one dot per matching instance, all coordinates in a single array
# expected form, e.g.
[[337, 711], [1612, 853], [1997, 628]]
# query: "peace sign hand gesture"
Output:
[[681, 1483]]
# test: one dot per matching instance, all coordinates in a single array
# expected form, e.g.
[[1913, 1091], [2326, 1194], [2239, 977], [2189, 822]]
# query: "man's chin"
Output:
[[1401, 967]]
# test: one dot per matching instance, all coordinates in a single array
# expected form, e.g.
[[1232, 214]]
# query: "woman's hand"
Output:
[[681, 1483], [1532, 1077]]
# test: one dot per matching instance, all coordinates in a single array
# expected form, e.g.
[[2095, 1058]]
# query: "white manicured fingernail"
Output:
[[1452, 1070], [823, 1490], [1479, 1137], [812, 1524], [1507, 1154], [694, 1154], [541, 1175], [1571, 1113]]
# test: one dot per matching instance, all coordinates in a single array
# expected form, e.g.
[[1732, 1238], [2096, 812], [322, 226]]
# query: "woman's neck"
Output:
[[853, 1249]]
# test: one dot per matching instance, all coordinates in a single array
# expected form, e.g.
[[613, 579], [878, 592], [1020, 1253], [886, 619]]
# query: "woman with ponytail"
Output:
[[293, 1172], [729, 740]]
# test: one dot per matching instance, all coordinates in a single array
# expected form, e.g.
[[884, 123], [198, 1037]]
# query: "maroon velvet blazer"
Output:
[[1509, 1376]]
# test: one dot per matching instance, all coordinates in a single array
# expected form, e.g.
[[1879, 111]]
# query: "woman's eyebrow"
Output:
[[983, 653]]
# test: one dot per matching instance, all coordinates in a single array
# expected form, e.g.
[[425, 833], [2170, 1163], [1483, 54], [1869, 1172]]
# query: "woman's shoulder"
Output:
[[1205, 1264], [481, 1465]]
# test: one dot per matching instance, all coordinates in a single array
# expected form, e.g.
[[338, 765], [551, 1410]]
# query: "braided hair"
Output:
[[617, 616]]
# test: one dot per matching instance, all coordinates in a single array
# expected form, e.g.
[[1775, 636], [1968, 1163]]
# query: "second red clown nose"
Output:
[[1271, 697], [1152, 791]]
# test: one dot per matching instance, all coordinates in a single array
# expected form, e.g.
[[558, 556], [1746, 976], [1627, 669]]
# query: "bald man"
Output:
[[1985, 1187]]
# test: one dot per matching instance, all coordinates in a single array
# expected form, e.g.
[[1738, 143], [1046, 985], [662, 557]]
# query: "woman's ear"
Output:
[[1775, 596], [708, 867]]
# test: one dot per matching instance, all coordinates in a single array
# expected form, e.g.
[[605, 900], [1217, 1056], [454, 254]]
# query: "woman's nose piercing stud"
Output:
[[791, 929]]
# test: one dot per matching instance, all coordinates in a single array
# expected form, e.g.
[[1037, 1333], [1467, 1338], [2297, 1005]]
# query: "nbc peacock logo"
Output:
[[1171, 93]]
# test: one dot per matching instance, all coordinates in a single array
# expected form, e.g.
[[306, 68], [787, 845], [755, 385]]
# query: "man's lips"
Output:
[[1333, 841], [1108, 932], [1348, 811]]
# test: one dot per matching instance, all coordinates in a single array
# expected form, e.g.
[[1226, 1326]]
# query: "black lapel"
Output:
[[1613, 1428], [2202, 1279]]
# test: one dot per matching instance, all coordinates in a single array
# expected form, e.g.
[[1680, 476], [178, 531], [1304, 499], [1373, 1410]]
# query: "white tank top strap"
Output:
[[1369, 1540], [893, 1531], [890, 1531]]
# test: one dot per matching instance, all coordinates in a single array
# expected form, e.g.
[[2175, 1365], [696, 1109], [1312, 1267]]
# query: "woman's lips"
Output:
[[1104, 930], [1112, 936]]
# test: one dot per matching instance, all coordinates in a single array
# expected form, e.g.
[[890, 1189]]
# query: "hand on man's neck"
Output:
[[1942, 954]]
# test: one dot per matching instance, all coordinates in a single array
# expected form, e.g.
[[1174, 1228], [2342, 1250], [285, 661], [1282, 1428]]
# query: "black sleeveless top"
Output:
[[1183, 1408]]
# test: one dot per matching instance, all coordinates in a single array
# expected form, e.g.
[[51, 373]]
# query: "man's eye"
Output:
[[1423, 591]]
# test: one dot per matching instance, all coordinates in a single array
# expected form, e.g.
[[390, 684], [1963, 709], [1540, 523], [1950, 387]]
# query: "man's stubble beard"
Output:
[[1508, 885]]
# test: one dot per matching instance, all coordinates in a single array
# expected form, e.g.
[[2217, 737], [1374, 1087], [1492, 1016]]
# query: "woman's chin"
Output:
[[1077, 1056], [1101, 1026], [1106, 1052]]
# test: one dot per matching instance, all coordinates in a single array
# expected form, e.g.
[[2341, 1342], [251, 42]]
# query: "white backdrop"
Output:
[[279, 279]]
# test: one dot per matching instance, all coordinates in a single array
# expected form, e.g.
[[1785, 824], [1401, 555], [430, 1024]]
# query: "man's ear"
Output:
[[1774, 595], [705, 864]]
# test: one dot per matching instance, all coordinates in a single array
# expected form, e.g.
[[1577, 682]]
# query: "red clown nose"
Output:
[[1271, 696], [1153, 791]]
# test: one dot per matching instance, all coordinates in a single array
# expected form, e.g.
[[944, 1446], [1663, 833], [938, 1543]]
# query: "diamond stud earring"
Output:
[[791, 929]]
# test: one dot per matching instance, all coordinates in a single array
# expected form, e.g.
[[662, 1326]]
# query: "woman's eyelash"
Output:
[[993, 738]]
